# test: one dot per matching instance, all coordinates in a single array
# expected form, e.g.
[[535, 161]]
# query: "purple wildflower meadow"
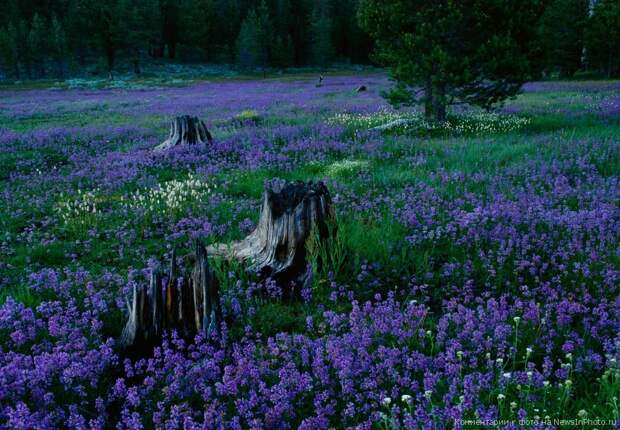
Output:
[[472, 278]]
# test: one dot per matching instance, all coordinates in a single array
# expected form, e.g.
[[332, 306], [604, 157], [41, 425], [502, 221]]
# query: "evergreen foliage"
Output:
[[476, 52], [603, 38], [484, 40]]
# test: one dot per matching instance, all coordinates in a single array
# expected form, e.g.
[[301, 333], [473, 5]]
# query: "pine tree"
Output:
[[48, 35], [227, 28], [24, 53], [198, 20], [603, 38], [457, 51], [320, 36], [264, 34], [348, 40], [254, 39], [169, 10], [109, 22], [141, 29], [562, 32], [78, 23], [248, 46], [58, 46], [283, 17], [283, 52], [9, 55], [38, 44]]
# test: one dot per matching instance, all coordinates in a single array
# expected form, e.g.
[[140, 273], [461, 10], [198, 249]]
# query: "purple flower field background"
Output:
[[475, 274]]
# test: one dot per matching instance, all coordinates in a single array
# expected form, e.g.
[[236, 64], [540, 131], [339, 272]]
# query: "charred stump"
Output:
[[186, 130], [189, 304], [277, 247]]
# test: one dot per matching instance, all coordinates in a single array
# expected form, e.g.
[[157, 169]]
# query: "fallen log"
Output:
[[276, 248], [189, 304], [185, 130], [397, 124]]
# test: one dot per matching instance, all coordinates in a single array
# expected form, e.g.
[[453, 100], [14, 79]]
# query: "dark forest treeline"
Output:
[[57, 38], [54, 37]]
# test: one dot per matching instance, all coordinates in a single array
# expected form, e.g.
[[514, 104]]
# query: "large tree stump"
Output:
[[189, 304], [186, 130], [277, 247]]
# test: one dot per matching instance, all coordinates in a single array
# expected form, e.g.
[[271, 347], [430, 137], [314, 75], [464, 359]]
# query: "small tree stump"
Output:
[[186, 130], [320, 83], [361, 88], [276, 248], [189, 304]]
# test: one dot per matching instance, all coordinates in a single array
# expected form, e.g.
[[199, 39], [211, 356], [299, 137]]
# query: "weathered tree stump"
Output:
[[186, 130], [320, 83], [276, 248], [189, 304]]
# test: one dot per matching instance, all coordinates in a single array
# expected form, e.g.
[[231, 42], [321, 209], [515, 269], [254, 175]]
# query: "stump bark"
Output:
[[276, 248], [188, 303], [186, 130]]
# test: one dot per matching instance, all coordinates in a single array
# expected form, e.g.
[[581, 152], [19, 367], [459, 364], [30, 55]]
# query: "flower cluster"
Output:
[[81, 209], [345, 167], [248, 116], [368, 120], [480, 123], [171, 197]]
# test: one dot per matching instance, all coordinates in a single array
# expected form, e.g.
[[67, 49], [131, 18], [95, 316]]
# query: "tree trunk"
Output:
[[434, 101], [110, 57], [28, 69], [186, 130], [81, 55], [189, 303], [439, 103], [277, 247], [60, 68], [172, 50]]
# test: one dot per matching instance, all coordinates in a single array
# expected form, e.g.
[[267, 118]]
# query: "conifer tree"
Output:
[[38, 45], [603, 38], [562, 33], [466, 51], [254, 39], [320, 31], [58, 46]]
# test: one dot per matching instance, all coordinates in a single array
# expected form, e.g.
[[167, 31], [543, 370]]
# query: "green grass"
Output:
[[158, 75], [408, 161], [363, 237]]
